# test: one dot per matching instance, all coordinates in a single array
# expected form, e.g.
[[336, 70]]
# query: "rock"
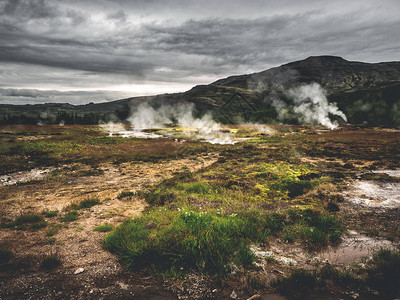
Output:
[[233, 295], [355, 295], [214, 291], [374, 292], [254, 297], [79, 270], [278, 272]]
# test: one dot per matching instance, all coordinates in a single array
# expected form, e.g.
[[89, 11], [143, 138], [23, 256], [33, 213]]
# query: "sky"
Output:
[[79, 51]]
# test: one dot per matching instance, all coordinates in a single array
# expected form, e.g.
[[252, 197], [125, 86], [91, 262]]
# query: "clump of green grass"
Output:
[[298, 285], [29, 218], [384, 272], [53, 230], [189, 240], [5, 255], [26, 222], [51, 262], [125, 194], [38, 225], [51, 240], [88, 203], [103, 228], [51, 214], [70, 217], [208, 242]]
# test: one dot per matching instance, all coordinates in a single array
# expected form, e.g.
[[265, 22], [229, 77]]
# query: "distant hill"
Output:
[[367, 93]]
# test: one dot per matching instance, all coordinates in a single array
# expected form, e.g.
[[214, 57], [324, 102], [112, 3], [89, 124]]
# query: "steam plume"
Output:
[[312, 106]]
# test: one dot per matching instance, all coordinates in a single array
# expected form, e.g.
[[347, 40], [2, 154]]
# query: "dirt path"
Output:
[[76, 244]]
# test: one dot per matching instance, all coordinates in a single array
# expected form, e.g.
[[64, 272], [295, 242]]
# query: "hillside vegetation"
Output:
[[367, 93]]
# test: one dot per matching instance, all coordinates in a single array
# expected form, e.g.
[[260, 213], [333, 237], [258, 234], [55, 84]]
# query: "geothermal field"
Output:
[[199, 210]]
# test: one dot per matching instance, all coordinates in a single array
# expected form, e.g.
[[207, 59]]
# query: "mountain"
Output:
[[367, 93]]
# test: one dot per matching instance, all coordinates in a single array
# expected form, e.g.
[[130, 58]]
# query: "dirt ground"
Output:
[[77, 245], [90, 272]]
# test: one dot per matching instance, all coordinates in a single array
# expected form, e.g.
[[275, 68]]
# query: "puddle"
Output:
[[137, 134], [372, 193], [393, 173], [24, 176], [376, 194], [352, 249]]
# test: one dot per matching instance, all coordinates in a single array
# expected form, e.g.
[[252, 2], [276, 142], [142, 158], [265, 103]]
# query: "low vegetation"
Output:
[[5, 255], [70, 216], [176, 241], [51, 262], [103, 228], [381, 275], [26, 222]]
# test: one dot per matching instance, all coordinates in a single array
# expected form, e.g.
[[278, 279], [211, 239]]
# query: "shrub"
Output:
[[103, 228]]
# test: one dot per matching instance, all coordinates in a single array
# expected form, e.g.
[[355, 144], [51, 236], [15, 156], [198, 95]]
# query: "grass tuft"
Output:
[[51, 214], [125, 194], [88, 203], [5, 255], [51, 262], [103, 228], [70, 217]]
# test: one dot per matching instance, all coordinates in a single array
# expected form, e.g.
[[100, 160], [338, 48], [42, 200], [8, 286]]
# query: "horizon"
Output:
[[101, 51]]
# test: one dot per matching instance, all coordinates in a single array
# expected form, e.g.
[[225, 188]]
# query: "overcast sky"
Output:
[[80, 51]]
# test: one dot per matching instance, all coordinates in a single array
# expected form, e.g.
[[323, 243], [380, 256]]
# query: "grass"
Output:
[[103, 228], [26, 222], [384, 272], [208, 242], [29, 218], [88, 203], [125, 194], [298, 284], [70, 216], [84, 144], [51, 262], [51, 214], [53, 230], [5, 255]]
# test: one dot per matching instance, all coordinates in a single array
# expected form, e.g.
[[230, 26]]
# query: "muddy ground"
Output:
[[370, 209]]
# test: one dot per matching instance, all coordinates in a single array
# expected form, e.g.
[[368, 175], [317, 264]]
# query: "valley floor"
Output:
[[64, 189]]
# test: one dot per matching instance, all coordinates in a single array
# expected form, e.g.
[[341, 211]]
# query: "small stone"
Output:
[[79, 270], [355, 295], [277, 272], [214, 291], [254, 297], [373, 292], [233, 295]]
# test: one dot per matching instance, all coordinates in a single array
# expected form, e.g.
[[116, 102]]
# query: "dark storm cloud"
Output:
[[93, 42], [33, 96]]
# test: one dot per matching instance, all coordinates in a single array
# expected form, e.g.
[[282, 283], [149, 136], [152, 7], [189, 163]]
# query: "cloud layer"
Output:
[[121, 45]]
